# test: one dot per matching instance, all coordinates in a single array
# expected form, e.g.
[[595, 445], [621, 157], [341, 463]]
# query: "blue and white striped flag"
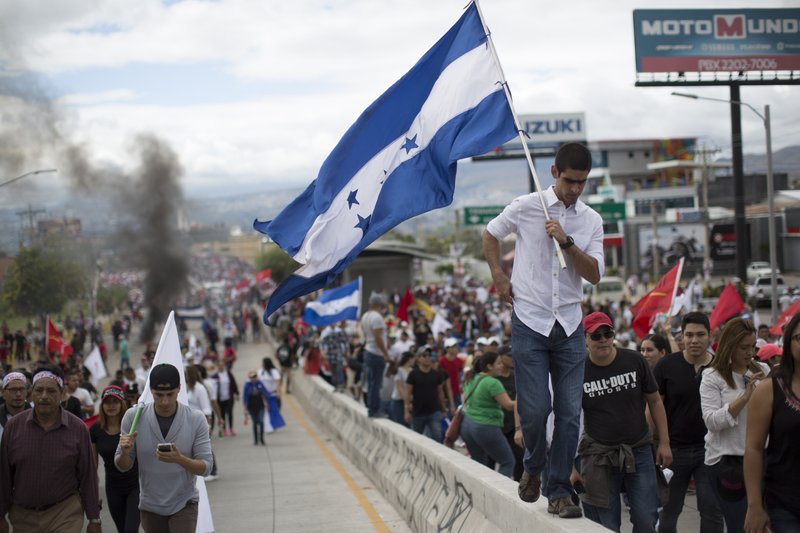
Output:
[[398, 160], [335, 305]]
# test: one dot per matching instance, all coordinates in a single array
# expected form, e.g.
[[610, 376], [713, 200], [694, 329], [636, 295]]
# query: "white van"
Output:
[[610, 288]]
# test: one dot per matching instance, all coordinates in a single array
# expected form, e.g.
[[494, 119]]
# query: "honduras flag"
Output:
[[341, 303], [398, 160]]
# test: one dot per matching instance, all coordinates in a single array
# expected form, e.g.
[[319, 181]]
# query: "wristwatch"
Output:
[[567, 244], [95, 521]]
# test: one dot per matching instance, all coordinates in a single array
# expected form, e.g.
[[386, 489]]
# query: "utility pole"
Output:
[[30, 213], [704, 153], [654, 251]]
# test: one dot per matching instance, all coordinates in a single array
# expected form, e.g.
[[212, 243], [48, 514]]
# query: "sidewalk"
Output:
[[298, 482]]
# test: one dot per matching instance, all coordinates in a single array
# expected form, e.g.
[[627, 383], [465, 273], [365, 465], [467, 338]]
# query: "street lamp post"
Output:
[[12, 180], [773, 259]]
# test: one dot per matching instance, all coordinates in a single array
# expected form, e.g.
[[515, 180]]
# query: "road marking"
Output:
[[373, 515]]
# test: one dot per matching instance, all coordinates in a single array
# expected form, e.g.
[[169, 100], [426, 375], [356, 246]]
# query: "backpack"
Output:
[[284, 355]]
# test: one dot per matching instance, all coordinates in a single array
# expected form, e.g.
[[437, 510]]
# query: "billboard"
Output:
[[716, 40], [672, 242]]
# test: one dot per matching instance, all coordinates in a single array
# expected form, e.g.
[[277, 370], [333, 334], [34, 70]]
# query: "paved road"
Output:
[[298, 482]]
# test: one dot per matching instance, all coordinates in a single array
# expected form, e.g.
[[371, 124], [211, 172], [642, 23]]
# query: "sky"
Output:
[[253, 94]]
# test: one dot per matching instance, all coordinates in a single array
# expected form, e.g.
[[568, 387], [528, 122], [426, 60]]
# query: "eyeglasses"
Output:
[[608, 334]]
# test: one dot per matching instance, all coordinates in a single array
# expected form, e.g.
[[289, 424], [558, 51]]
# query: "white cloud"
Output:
[[114, 95], [319, 63]]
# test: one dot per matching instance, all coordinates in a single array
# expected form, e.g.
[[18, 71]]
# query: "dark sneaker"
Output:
[[529, 487], [564, 508]]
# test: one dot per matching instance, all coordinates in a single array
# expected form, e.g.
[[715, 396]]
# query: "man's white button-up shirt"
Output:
[[543, 292]]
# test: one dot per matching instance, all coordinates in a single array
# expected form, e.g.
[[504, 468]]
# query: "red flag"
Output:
[[264, 275], [785, 318], [56, 343], [659, 300], [729, 304], [91, 420], [402, 309]]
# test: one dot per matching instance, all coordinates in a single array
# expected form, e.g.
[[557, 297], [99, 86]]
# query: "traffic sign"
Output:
[[481, 215], [610, 211]]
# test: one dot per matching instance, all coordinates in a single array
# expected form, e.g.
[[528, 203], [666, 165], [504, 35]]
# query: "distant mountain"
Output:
[[478, 183], [786, 160]]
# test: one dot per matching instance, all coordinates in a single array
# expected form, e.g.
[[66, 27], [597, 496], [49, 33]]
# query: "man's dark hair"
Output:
[[696, 318], [763, 326], [55, 369], [786, 369], [573, 156]]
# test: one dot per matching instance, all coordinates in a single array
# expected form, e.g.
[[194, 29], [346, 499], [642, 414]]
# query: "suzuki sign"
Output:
[[554, 128]]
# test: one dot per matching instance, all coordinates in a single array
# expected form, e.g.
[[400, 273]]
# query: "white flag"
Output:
[[439, 324], [97, 369], [684, 302], [169, 352]]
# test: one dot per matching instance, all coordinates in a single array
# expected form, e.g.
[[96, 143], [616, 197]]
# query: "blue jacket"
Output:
[[248, 387]]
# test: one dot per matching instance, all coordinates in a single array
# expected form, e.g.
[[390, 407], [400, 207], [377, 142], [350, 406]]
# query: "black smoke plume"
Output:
[[33, 128]]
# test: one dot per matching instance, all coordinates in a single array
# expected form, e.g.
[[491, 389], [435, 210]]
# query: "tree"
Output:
[[397, 235], [41, 281], [279, 262]]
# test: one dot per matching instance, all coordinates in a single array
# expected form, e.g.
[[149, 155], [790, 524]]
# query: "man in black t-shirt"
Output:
[[678, 377], [424, 401], [616, 445]]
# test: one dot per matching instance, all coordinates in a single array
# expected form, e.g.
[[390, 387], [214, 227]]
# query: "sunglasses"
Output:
[[608, 334]]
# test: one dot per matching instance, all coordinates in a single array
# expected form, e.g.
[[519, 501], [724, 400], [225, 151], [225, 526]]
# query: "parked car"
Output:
[[759, 290], [610, 288], [759, 268]]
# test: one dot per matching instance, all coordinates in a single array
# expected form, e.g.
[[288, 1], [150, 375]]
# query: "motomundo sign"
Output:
[[716, 40]]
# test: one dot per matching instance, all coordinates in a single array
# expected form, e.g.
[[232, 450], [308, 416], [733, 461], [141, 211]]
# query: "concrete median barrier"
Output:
[[435, 489]]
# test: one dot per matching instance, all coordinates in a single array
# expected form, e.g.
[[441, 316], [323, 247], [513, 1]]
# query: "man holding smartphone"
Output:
[[173, 447]]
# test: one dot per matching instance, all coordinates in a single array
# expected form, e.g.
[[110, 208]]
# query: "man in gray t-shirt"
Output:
[[376, 353], [172, 444]]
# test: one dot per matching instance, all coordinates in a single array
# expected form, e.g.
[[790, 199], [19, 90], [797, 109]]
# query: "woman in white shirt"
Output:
[[397, 410], [725, 391], [197, 393], [270, 377]]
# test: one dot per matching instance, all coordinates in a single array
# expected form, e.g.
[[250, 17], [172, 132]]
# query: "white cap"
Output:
[[481, 340], [493, 339], [450, 342]]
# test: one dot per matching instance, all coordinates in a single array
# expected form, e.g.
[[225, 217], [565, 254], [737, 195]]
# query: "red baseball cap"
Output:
[[768, 351], [112, 391], [592, 321]]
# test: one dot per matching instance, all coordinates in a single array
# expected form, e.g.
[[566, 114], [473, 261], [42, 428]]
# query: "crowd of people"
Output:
[[50, 402], [560, 393]]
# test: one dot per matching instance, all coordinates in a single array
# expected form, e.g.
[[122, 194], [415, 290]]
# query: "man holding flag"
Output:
[[173, 447], [547, 334]]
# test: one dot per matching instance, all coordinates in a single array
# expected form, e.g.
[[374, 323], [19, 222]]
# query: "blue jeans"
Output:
[[642, 490], [688, 461], [397, 412], [337, 373], [488, 445], [733, 512], [537, 357], [431, 422], [783, 520], [374, 366], [257, 417]]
